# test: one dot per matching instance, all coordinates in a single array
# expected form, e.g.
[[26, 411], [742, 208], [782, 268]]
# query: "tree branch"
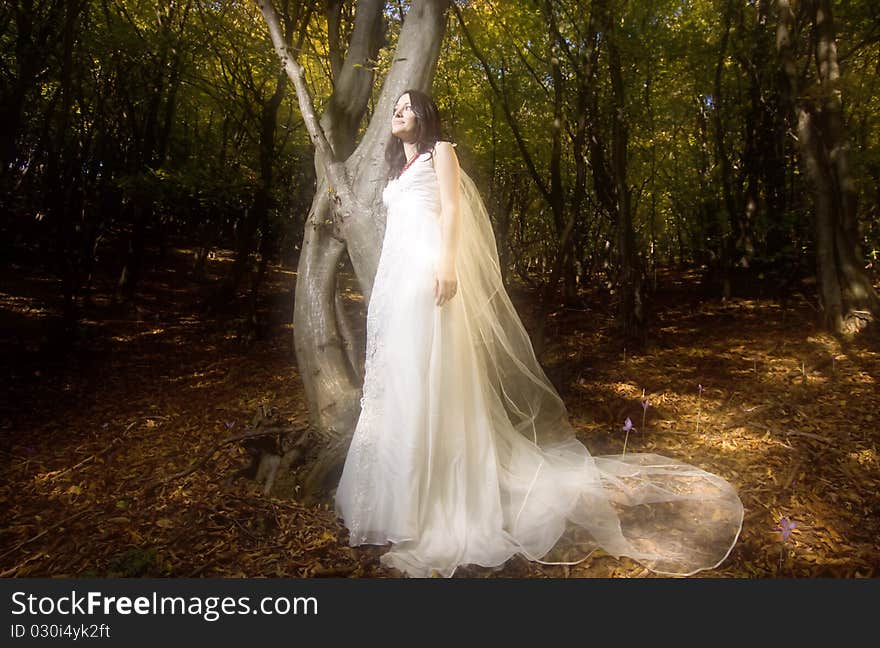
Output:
[[347, 204], [252, 434], [511, 120]]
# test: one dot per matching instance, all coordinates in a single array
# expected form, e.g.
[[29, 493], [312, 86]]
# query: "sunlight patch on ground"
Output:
[[213, 254], [867, 458], [827, 342], [135, 336], [204, 379], [25, 305]]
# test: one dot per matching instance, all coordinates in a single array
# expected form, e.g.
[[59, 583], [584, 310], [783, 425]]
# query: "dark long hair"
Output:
[[427, 131]]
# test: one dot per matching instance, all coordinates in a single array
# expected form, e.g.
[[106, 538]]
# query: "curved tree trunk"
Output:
[[346, 215]]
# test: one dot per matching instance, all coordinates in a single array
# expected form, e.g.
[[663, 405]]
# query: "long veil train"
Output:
[[672, 517], [464, 452]]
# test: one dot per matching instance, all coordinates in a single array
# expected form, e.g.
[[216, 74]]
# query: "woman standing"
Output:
[[463, 453]]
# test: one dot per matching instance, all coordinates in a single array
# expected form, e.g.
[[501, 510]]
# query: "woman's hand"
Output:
[[445, 282]]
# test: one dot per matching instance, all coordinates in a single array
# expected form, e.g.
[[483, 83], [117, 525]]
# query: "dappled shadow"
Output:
[[786, 413]]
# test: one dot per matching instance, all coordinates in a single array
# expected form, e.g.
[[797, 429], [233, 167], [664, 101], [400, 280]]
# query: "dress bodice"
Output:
[[416, 191]]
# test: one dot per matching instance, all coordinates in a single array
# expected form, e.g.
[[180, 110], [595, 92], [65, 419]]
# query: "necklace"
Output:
[[409, 164]]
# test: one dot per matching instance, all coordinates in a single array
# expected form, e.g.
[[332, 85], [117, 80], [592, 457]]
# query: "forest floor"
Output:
[[744, 388]]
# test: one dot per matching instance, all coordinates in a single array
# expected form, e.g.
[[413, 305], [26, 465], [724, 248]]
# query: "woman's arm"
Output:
[[448, 175]]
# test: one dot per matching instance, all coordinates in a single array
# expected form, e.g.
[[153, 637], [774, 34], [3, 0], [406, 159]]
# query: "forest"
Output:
[[685, 196]]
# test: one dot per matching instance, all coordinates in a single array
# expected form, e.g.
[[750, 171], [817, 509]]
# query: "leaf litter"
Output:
[[743, 388]]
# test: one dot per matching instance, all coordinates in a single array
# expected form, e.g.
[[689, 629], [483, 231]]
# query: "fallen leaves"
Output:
[[786, 415]]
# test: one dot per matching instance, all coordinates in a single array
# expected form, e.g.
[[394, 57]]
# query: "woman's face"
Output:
[[403, 121]]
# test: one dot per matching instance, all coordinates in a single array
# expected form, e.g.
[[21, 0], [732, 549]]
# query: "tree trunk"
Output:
[[153, 142], [257, 216], [334, 226], [608, 179], [65, 173], [728, 242], [848, 299], [33, 30], [630, 316], [563, 221], [565, 218]]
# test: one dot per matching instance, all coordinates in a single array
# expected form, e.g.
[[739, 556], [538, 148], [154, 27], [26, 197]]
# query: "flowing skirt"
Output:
[[438, 467]]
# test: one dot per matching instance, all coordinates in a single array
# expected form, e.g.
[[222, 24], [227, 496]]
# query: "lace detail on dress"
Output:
[[368, 426], [370, 423]]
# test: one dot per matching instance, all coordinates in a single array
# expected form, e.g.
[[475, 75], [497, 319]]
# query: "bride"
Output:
[[463, 453]]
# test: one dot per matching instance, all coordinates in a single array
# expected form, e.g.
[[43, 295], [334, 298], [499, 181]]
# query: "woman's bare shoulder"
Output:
[[445, 147], [445, 154]]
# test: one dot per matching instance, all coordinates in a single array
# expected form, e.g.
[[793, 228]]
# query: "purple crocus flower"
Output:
[[785, 526]]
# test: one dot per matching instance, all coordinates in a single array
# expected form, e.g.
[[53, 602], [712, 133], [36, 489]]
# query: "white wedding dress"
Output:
[[463, 453]]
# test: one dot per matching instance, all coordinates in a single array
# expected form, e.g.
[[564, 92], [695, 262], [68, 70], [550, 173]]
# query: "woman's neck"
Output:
[[410, 149]]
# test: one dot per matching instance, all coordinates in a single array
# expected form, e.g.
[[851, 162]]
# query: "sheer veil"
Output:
[[559, 502]]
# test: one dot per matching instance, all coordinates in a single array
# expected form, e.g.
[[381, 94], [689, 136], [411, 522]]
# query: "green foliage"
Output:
[[677, 112], [147, 104], [113, 105]]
